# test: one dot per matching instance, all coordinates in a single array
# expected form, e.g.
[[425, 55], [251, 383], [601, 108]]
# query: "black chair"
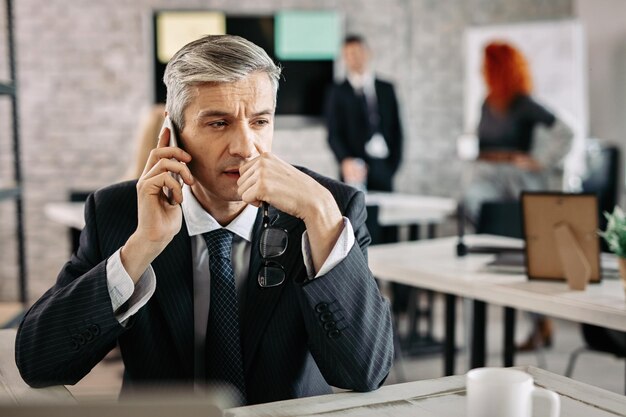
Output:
[[599, 340], [501, 218], [604, 170], [603, 178], [74, 197]]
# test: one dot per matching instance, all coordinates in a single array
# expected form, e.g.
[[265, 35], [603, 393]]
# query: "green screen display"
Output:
[[307, 35]]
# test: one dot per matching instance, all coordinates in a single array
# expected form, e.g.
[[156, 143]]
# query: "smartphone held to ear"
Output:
[[167, 123]]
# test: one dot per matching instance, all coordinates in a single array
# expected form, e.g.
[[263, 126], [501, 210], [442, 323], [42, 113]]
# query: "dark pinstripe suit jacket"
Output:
[[297, 339]]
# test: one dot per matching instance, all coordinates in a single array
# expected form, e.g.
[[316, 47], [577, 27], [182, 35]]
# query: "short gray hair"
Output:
[[213, 59]]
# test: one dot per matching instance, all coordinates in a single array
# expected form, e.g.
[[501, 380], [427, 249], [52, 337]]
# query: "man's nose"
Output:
[[242, 143]]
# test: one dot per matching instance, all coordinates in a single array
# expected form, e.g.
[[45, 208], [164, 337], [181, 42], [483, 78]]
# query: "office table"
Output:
[[12, 388], [395, 209], [70, 214], [398, 209], [433, 265], [443, 397]]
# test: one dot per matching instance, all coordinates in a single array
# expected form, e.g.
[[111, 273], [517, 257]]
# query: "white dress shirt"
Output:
[[127, 298]]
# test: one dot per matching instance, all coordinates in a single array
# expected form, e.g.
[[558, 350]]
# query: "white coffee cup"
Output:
[[500, 392]]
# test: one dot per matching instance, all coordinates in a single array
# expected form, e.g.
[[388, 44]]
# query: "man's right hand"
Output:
[[158, 220]]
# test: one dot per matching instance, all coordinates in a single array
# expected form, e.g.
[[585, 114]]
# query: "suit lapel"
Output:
[[261, 302], [174, 292]]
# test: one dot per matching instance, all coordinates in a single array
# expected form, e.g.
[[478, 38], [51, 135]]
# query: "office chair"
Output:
[[603, 178], [501, 218], [599, 340], [604, 170]]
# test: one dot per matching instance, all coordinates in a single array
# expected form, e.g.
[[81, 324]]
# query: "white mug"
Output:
[[499, 392]]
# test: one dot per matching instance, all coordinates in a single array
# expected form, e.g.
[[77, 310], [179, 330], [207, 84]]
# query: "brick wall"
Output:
[[84, 73]]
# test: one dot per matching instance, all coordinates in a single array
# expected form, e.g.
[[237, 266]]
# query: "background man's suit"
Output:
[[297, 339], [349, 130]]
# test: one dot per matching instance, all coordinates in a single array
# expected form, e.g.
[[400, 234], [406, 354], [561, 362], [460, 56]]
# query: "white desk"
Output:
[[70, 214], [443, 397], [433, 265], [397, 209], [12, 388]]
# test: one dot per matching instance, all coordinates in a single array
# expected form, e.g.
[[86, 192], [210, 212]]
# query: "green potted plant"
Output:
[[615, 236]]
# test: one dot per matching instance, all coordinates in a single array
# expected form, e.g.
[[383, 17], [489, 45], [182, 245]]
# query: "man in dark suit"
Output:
[[363, 122], [197, 290]]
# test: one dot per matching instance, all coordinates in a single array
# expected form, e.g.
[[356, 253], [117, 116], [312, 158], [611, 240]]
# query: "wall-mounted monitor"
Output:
[[304, 43]]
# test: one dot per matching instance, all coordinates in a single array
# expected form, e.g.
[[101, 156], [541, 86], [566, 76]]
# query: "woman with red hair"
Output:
[[521, 146]]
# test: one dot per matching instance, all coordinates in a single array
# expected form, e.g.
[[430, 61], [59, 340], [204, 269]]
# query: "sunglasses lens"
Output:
[[273, 242], [271, 276]]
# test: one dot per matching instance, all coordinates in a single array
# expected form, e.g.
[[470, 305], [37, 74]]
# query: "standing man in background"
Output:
[[364, 130]]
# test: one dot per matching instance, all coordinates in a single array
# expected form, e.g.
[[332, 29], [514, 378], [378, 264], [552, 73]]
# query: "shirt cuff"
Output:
[[340, 251], [126, 297]]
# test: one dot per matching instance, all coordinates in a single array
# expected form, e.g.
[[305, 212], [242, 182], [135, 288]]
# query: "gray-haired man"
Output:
[[181, 286]]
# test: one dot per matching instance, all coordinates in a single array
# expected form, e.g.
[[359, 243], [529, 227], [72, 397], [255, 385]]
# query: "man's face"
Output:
[[227, 124], [356, 57]]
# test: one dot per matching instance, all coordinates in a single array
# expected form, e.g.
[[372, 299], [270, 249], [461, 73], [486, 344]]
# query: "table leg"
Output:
[[479, 333], [509, 336], [432, 230], [412, 310], [430, 297], [398, 357], [449, 349]]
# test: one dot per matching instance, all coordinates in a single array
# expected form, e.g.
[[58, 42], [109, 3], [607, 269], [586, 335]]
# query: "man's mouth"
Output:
[[234, 172]]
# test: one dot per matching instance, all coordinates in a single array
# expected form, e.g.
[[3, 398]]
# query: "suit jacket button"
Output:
[[81, 339], [94, 329], [333, 334], [321, 307], [330, 325], [327, 316], [74, 344], [88, 335]]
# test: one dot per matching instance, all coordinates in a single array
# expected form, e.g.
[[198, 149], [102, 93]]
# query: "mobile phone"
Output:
[[167, 123]]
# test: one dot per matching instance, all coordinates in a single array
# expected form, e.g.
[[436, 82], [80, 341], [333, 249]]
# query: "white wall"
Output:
[[605, 24]]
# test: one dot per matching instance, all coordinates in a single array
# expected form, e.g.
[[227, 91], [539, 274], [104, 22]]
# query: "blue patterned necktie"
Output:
[[223, 345]]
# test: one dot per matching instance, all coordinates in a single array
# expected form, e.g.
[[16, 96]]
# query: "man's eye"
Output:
[[262, 122], [218, 123]]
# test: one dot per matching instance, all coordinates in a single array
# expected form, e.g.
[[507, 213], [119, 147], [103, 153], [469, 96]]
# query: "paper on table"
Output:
[[445, 405]]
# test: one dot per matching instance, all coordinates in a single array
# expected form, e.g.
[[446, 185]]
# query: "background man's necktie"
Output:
[[223, 344], [370, 107]]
